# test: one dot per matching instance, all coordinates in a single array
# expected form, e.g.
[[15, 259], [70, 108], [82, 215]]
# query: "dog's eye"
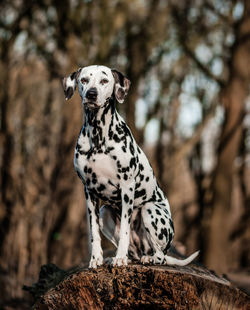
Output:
[[104, 81], [84, 80]]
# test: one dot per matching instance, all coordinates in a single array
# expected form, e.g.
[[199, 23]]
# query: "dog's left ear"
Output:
[[69, 84], [121, 87]]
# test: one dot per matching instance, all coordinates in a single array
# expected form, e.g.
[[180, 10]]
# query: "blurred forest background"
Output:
[[188, 107]]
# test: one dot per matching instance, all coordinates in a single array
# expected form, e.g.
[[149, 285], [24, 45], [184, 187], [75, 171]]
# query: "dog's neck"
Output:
[[99, 122]]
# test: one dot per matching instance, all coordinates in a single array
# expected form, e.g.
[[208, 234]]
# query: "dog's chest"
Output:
[[95, 166], [101, 168]]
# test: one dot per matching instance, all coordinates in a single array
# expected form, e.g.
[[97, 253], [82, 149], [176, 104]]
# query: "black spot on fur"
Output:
[[157, 212], [116, 138], [164, 232], [126, 198], [125, 169], [153, 224], [129, 212], [78, 147], [140, 193], [137, 185], [132, 163], [101, 187], [131, 148], [141, 167]]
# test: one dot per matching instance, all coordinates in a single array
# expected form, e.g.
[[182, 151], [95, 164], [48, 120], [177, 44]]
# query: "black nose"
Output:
[[91, 94]]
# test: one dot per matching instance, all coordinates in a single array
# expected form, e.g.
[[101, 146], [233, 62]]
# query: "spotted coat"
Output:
[[136, 215]]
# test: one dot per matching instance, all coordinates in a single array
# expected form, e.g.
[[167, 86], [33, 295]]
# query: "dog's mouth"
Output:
[[91, 104]]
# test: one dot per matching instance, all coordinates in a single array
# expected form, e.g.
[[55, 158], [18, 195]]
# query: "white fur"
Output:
[[94, 75]]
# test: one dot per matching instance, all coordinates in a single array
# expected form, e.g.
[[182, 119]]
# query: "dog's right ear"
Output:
[[69, 84]]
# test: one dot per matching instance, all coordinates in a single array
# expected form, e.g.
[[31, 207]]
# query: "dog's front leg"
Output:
[[95, 238], [121, 258]]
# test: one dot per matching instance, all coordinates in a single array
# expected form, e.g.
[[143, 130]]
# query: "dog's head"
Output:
[[96, 85]]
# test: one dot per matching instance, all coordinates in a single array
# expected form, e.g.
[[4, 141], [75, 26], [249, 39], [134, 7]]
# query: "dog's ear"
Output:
[[69, 84], [121, 87]]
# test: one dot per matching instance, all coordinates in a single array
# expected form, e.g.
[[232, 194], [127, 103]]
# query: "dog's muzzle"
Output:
[[91, 94]]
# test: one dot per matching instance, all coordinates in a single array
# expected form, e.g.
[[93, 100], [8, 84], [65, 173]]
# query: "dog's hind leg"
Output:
[[160, 231]]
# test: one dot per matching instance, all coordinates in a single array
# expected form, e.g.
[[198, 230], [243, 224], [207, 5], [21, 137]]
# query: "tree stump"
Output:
[[135, 287]]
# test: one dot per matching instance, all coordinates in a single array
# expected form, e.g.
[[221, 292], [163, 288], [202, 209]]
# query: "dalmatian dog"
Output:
[[136, 215]]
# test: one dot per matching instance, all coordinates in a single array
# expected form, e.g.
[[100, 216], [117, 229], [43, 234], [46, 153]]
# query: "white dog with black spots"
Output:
[[136, 215]]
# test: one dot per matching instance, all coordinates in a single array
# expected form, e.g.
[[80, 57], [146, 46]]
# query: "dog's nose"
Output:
[[91, 94]]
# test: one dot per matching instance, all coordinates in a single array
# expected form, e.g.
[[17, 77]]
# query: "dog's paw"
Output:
[[155, 259], [95, 262], [120, 261], [146, 259]]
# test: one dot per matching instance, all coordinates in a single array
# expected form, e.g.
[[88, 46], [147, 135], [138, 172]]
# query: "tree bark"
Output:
[[136, 287]]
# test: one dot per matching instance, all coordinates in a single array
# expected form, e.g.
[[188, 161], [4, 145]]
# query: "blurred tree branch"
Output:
[[182, 39]]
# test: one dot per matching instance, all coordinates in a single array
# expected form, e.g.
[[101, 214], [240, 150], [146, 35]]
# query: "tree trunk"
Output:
[[136, 287], [41, 203], [233, 98]]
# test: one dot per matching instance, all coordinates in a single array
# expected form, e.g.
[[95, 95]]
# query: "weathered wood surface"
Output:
[[138, 287]]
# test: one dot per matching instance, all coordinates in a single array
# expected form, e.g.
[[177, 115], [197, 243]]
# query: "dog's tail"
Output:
[[181, 262]]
